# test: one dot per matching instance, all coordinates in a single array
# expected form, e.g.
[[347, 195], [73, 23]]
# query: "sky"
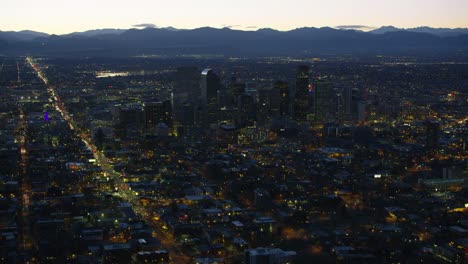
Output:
[[66, 16]]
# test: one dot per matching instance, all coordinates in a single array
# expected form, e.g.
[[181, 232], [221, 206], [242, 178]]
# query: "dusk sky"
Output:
[[64, 16]]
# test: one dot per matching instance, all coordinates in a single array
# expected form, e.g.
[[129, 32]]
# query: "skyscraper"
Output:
[[236, 89], [130, 115], [209, 85], [301, 102], [323, 100], [347, 101], [157, 112], [246, 110], [128, 120], [185, 95], [265, 104], [281, 98], [186, 84]]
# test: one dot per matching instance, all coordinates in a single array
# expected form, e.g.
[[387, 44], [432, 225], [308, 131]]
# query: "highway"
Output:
[[122, 190], [25, 234]]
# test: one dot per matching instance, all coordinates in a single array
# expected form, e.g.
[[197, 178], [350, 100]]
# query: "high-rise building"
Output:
[[157, 112], [301, 102], [128, 120], [224, 99], [210, 84], [186, 84], [236, 89], [354, 106], [186, 92], [246, 110], [264, 105], [186, 120], [323, 102], [130, 115], [347, 101], [281, 98]]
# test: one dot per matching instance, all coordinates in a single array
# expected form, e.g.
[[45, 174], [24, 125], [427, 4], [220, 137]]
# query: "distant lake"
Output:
[[111, 74]]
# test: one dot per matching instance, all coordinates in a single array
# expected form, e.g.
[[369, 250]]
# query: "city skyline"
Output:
[[234, 132], [57, 17]]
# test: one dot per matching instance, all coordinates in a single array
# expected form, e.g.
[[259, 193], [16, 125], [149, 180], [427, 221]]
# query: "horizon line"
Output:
[[362, 28]]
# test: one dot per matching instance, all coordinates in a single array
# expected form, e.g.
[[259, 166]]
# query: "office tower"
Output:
[[186, 84], [352, 106], [323, 100], [186, 120], [130, 115], [347, 101], [281, 98], [128, 120], [157, 112], [186, 91], [224, 99], [209, 85], [301, 102], [228, 115], [246, 110], [236, 89], [264, 105]]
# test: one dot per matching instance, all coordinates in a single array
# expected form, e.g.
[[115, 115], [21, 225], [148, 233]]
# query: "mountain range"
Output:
[[225, 41], [442, 32]]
